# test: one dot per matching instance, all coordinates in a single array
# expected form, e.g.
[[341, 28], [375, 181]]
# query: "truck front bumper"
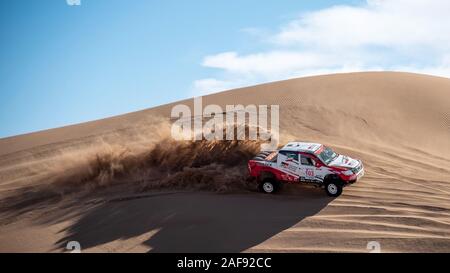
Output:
[[357, 176]]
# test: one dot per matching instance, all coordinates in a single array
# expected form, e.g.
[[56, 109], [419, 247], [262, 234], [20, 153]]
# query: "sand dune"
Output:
[[122, 185]]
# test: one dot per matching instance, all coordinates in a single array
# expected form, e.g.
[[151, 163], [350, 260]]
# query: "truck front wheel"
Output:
[[333, 188]]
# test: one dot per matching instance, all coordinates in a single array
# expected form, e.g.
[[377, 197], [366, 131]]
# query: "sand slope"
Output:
[[397, 123]]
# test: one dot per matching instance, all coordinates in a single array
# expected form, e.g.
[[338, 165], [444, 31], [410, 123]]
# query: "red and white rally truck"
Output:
[[306, 163]]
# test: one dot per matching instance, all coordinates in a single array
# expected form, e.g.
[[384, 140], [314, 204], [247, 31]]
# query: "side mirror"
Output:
[[317, 165]]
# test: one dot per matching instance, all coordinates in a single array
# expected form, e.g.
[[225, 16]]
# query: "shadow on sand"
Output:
[[195, 222]]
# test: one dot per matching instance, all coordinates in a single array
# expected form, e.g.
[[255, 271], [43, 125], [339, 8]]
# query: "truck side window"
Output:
[[291, 155], [306, 161]]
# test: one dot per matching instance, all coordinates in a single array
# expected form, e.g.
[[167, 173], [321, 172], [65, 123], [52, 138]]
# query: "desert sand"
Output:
[[122, 185]]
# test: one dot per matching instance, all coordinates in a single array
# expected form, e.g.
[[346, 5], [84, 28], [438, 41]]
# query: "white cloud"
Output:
[[398, 35], [266, 63], [394, 24], [207, 86]]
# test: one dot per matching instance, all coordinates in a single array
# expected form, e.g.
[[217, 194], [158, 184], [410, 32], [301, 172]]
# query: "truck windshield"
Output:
[[327, 155]]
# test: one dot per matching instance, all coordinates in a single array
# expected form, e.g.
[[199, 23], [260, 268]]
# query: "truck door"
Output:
[[307, 169], [289, 162]]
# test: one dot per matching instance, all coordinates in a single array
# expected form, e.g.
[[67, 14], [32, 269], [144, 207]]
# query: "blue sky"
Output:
[[62, 64]]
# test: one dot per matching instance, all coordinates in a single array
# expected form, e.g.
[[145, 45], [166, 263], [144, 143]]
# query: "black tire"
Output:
[[333, 188], [269, 186]]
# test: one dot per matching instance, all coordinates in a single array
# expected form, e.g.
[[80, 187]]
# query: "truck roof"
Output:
[[301, 147]]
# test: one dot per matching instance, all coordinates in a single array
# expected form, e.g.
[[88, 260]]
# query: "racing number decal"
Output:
[[309, 172]]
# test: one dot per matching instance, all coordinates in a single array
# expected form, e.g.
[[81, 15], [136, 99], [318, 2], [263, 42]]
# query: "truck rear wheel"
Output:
[[333, 188], [268, 186]]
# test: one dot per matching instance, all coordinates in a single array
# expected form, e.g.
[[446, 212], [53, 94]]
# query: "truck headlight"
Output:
[[348, 172]]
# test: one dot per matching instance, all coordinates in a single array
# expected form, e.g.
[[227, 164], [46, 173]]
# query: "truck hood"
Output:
[[344, 162]]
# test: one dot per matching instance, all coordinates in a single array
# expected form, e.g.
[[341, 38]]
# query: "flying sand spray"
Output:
[[248, 122]]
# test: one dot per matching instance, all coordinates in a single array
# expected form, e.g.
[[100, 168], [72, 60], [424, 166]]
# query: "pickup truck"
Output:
[[305, 163]]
